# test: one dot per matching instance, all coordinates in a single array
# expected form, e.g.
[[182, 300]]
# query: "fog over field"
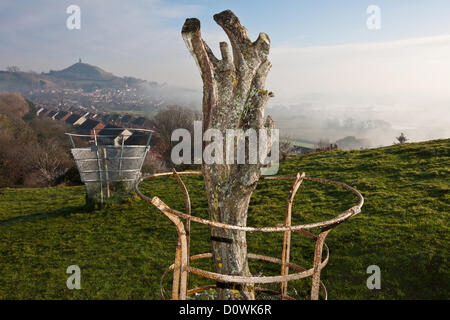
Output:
[[373, 91], [404, 83]]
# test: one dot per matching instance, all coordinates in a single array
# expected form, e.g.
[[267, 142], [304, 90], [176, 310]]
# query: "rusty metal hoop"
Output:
[[181, 265]]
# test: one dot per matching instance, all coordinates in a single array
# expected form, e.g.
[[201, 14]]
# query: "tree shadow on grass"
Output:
[[44, 215]]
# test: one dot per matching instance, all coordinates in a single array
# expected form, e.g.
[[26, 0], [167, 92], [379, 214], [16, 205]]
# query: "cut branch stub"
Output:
[[230, 84], [234, 97]]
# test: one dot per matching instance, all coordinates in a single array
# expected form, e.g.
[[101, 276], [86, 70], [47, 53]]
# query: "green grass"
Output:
[[123, 251]]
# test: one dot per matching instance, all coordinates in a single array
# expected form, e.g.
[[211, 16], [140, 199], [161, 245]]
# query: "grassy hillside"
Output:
[[123, 251], [22, 81], [83, 71]]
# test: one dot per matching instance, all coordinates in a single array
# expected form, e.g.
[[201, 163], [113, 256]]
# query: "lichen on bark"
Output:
[[234, 97]]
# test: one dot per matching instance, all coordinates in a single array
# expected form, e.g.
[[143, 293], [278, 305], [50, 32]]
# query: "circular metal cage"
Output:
[[110, 163], [181, 267]]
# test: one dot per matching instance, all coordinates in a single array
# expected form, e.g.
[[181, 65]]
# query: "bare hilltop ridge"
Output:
[[79, 75]]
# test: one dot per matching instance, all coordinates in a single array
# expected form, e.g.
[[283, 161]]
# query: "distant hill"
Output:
[[83, 71], [23, 81], [78, 75]]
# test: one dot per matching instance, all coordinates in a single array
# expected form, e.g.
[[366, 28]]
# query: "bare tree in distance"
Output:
[[49, 168], [233, 98], [169, 119], [286, 148], [33, 151], [152, 164], [401, 139], [325, 145], [13, 69], [51, 161]]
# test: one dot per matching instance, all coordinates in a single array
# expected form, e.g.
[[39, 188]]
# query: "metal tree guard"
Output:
[[109, 171], [181, 267]]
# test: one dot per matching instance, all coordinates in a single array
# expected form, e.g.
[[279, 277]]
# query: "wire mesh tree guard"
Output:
[[181, 267], [108, 165]]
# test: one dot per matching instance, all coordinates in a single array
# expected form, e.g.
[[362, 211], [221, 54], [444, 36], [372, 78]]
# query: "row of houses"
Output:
[[92, 124], [125, 120]]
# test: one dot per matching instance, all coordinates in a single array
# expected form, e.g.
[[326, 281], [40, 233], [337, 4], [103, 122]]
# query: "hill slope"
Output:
[[78, 75], [83, 71], [123, 251]]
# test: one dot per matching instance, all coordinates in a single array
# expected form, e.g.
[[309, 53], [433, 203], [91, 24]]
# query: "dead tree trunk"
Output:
[[233, 98]]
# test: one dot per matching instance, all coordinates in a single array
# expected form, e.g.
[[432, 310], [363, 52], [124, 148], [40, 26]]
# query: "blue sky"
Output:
[[33, 34], [329, 22]]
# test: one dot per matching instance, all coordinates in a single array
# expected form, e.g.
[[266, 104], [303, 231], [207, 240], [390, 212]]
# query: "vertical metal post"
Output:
[[317, 261], [108, 195], [176, 272], [99, 167], [145, 153], [287, 234], [120, 160], [71, 141], [183, 242], [184, 264], [188, 212], [148, 140]]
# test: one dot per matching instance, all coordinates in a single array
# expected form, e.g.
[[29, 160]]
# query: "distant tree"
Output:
[[13, 105], [353, 143], [153, 164], [285, 149], [50, 162], [401, 139], [33, 152], [12, 69], [167, 121], [323, 144]]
